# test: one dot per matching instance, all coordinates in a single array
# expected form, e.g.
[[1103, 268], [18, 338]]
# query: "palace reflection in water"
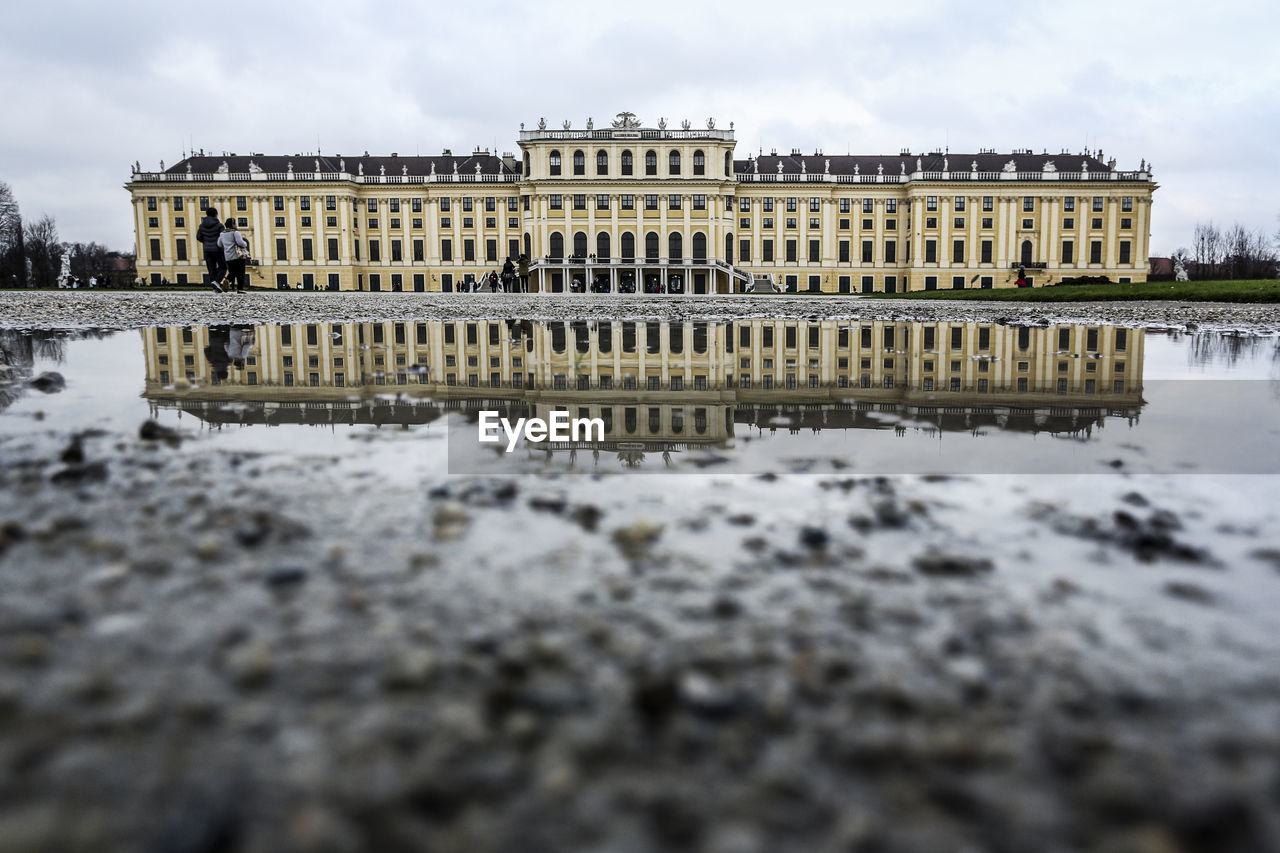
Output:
[[656, 384]]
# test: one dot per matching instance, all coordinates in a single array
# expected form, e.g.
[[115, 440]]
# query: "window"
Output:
[[1126, 224], [766, 251], [332, 248], [375, 251], [1095, 222], [791, 205], [957, 251], [699, 202], [844, 224], [394, 205], [555, 162], [931, 203], [579, 163], [1124, 252], [602, 201], [1068, 252], [513, 204], [791, 251], [651, 162], [699, 163], [650, 202], [673, 163], [468, 204], [179, 222], [744, 251], [1069, 204], [957, 204], [1028, 204], [512, 222], [868, 224], [555, 201], [744, 205], [744, 222], [446, 222], [930, 251], [1069, 223], [332, 222], [986, 222], [891, 205], [815, 251], [1028, 224], [628, 202], [767, 205], [890, 251], [931, 222], [373, 221], [626, 163], [153, 222], [986, 252], [371, 206], [579, 201], [844, 252], [396, 250], [444, 205], [673, 202], [1095, 251], [766, 222], [446, 250], [468, 250], [815, 222], [868, 205], [281, 249], [1097, 204], [791, 222], [419, 251], [395, 222], [1126, 204], [307, 249], [815, 204], [182, 249], [988, 204], [867, 251]]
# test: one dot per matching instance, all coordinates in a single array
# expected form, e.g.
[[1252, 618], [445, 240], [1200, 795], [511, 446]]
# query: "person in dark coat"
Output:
[[215, 259], [523, 267]]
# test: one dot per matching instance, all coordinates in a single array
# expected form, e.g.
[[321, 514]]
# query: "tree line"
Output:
[[31, 253], [1236, 252]]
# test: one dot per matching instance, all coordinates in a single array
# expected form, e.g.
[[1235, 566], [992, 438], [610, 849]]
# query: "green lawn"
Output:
[[1264, 290]]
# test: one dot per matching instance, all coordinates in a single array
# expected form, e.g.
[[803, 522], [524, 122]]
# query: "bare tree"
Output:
[[1247, 254], [1207, 250], [13, 269], [43, 251]]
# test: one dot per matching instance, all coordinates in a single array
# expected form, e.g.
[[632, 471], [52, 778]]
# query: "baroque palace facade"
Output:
[[653, 208]]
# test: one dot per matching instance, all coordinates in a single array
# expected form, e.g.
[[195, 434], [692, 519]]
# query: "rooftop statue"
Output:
[[1011, 166], [542, 124], [626, 121], [590, 124]]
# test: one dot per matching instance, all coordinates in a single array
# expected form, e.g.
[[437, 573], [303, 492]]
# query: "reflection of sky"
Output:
[[1224, 426]]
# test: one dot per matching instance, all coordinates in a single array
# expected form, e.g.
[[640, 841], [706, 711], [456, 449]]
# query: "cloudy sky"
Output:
[[1193, 88]]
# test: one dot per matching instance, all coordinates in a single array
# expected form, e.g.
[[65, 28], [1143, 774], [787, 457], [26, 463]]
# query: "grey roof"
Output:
[[897, 164], [335, 163]]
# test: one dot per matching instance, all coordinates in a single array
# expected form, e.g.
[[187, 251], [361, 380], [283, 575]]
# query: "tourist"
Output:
[[508, 275], [235, 251], [215, 259], [523, 268]]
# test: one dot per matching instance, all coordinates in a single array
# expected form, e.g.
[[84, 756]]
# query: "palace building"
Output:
[[630, 208]]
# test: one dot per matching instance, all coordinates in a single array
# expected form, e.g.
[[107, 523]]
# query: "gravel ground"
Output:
[[210, 650], [79, 309]]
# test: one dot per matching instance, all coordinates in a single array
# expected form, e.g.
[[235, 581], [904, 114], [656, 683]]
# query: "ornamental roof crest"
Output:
[[626, 121]]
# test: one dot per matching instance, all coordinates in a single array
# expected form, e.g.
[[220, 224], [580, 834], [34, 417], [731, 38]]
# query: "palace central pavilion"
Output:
[[627, 208]]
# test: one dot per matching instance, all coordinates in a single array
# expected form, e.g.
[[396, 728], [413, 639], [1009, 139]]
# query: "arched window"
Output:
[[651, 246], [580, 244], [604, 337], [626, 162], [528, 245], [728, 248], [651, 162], [557, 245], [526, 164], [728, 164], [628, 246], [700, 338], [699, 246], [555, 162], [579, 163], [602, 245], [557, 337], [675, 338], [699, 163], [673, 163], [1027, 249], [602, 162], [675, 246]]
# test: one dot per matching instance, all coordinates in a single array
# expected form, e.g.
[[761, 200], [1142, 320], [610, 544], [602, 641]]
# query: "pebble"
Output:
[[636, 538], [280, 577]]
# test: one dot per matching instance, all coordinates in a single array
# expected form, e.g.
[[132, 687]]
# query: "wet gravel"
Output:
[[132, 309], [209, 649]]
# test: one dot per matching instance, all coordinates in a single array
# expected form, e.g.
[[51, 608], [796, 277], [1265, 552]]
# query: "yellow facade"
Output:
[[630, 206]]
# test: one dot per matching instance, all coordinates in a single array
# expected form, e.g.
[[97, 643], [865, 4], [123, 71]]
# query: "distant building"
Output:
[[654, 208]]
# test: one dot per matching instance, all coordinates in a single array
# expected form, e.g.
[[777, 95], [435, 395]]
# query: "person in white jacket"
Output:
[[236, 251]]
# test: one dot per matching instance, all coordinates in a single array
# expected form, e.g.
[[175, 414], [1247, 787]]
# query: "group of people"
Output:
[[75, 282], [514, 278], [226, 253]]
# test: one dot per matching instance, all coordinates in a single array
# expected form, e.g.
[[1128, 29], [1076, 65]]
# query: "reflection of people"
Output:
[[239, 343], [236, 252], [216, 353], [215, 259]]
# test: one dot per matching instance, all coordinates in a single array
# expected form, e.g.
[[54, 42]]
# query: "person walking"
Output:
[[235, 251], [508, 275], [215, 259]]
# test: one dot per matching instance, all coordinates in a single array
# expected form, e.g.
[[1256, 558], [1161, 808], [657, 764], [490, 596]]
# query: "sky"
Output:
[[1192, 88]]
